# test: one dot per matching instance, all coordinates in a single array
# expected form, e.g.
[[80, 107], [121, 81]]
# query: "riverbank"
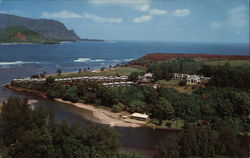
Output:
[[99, 115], [105, 116]]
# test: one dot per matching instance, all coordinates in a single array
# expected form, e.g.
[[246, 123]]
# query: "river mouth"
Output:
[[131, 138]]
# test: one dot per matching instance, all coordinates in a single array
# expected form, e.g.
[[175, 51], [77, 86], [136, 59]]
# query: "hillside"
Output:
[[19, 34], [44, 27], [156, 57]]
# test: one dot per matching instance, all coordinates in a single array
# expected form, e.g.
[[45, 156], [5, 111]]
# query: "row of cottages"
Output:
[[30, 80], [94, 78], [117, 84], [75, 79]]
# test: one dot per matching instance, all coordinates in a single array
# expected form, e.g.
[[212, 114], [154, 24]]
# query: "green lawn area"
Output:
[[174, 84], [231, 62], [119, 71]]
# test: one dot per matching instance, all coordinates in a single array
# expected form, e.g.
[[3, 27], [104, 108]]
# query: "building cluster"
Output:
[[30, 80], [117, 84], [110, 81], [191, 79], [102, 79]]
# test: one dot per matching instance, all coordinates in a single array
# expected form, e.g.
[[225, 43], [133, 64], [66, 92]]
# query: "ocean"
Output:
[[20, 60]]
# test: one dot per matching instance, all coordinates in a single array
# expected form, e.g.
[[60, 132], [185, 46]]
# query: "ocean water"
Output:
[[20, 60]]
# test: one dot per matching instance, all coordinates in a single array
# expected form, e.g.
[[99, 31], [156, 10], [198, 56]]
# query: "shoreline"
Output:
[[99, 114], [102, 116]]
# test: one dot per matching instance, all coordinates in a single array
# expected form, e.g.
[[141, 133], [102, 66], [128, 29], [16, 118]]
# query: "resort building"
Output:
[[193, 79], [179, 76], [139, 116], [146, 78], [117, 84], [101, 79]]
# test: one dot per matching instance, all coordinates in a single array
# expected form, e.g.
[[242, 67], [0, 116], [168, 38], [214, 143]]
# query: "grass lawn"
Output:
[[119, 71], [231, 62], [174, 84]]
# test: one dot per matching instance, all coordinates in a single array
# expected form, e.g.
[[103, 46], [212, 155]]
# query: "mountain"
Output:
[[46, 28], [20, 34]]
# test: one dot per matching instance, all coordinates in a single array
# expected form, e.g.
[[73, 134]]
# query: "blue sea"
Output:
[[20, 60]]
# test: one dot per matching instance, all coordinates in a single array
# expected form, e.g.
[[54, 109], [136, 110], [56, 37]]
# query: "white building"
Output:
[[193, 79], [140, 116]]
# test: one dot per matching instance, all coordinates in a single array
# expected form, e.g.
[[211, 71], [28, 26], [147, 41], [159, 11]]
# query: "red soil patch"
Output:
[[19, 36], [169, 56]]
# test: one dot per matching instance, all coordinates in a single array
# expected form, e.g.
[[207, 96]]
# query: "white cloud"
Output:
[[158, 12], [215, 24], [72, 15], [100, 2], [238, 17], [181, 12], [101, 19], [142, 19], [143, 8], [63, 14]]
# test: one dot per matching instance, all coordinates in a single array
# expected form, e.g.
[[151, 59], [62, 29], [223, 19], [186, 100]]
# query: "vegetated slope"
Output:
[[21, 34], [44, 27], [154, 57]]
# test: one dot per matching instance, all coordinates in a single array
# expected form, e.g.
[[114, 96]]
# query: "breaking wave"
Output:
[[17, 63], [83, 60]]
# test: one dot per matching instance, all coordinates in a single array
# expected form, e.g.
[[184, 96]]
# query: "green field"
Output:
[[231, 62], [119, 71], [174, 84]]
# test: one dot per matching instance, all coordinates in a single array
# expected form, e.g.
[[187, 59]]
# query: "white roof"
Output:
[[139, 115], [148, 74]]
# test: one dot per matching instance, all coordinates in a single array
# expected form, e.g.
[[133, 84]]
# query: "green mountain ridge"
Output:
[[20, 34]]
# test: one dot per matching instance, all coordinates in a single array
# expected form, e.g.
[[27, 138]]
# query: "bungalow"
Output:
[[193, 79], [146, 78], [139, 116]]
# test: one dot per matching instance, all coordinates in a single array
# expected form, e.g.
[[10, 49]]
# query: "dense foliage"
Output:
[[221, 75], [204, 143], [214, 107], [23, 35], [164, 70], [228, 76], [27, 133]]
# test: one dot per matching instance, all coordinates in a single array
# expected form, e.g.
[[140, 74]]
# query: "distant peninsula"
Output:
[[16, 29]]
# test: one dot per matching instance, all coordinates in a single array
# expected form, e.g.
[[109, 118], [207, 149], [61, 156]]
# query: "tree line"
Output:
[[221, 75], [27, 133]]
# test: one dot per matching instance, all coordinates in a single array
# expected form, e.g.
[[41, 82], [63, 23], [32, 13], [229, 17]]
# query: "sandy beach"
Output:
[[106, 117]]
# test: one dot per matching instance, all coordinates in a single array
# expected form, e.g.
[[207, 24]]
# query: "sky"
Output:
[[203, 21]]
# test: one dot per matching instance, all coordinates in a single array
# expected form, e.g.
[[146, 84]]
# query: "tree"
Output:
[[133, 76], [49, 81], [59, 72], [30, 133], [15, 119], [163, 110], [182, 83]]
